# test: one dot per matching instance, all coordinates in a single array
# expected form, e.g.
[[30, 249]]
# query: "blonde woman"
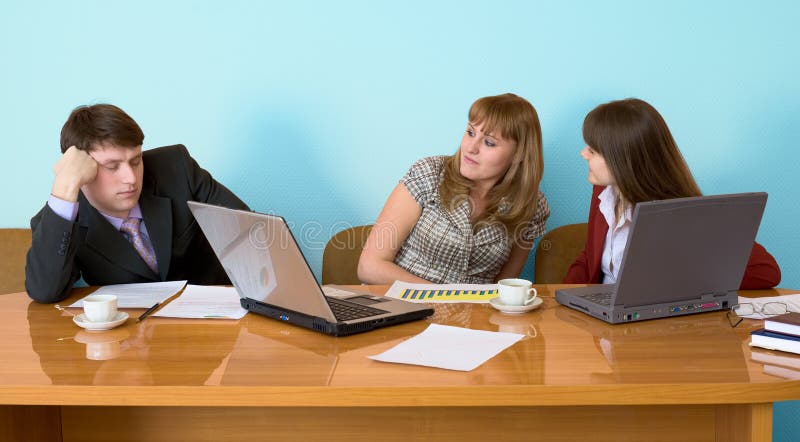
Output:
[[467, 218]]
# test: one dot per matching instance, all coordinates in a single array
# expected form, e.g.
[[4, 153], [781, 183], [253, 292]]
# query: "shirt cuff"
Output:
[[65, 209]]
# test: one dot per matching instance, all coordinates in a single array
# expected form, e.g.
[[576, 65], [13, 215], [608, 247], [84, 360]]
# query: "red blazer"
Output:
[[762, 270]]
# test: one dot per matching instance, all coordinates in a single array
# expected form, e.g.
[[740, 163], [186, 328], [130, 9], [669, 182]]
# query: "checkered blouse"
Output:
[[442, 247]]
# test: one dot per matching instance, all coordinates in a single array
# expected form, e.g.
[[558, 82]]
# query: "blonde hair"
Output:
[[513, 199]]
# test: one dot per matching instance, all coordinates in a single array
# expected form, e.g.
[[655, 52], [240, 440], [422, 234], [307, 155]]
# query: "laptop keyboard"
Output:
[[347, 311], [599, 298]]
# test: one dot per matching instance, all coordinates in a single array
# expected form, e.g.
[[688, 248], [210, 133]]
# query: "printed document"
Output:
[[199, 301], [140, 295], [442, 293], [792, 303]]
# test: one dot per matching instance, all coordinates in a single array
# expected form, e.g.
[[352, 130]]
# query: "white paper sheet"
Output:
[[452, 348], [142, 295], [199, 301], [398, 289], [791, 301]]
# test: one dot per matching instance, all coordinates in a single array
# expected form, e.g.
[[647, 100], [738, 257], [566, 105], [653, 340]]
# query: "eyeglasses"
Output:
[[737, 312]]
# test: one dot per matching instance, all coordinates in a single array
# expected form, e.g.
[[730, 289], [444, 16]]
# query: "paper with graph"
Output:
[[442, 293]]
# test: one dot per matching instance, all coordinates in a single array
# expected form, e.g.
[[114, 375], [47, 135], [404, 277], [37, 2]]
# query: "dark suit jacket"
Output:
[[762, 270], [62, 251]]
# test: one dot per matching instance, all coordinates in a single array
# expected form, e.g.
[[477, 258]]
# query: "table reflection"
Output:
[[777, 363], [691, 349], [157, 351], [523, 362], [102, 346]]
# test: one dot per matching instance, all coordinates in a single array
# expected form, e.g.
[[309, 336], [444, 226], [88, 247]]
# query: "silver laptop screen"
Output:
[[262, 259]]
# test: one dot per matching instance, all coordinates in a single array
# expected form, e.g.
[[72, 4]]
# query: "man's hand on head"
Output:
[[74, 169]]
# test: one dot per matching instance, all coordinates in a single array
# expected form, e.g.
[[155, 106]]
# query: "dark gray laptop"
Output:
[[683, 256], [264, 263]]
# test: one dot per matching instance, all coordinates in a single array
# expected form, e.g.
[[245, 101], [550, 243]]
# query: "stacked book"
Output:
[[779, 333]]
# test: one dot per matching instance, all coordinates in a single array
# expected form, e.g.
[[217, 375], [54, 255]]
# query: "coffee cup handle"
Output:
[[531, 298]]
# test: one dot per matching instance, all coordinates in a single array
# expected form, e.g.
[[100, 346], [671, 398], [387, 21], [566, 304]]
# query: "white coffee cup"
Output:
[[514, 291], [100, 308]]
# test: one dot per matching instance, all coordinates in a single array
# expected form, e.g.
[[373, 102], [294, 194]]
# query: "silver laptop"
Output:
[[264, 263], [683, 256]]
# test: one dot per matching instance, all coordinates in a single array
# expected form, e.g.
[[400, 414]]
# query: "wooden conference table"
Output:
[[572, 378]]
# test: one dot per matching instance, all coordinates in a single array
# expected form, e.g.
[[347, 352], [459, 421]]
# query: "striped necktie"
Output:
[[130, 228]]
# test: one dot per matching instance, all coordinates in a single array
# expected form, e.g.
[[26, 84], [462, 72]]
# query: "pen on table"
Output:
[[148, 311]]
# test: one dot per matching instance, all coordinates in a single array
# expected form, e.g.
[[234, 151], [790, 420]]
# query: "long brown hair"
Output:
[[639, 151], [513, 199]]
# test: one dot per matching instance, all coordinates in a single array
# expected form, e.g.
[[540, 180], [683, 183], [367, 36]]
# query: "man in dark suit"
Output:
[[119, 215]]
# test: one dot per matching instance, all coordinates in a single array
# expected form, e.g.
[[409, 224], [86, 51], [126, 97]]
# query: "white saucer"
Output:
[[514, 309], [81, 321]]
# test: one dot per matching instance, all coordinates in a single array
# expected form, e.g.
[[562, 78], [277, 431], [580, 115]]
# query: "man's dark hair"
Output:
[[99, 123]]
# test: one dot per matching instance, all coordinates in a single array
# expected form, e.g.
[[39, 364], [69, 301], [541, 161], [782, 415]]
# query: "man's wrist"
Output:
[[66, 191]]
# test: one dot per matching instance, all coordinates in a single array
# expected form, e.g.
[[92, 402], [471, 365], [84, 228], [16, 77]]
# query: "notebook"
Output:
[[683, 256], [273, 279]]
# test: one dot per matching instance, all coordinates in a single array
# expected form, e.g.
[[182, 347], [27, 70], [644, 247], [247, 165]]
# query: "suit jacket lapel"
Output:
[[107, 241], [157, 213]]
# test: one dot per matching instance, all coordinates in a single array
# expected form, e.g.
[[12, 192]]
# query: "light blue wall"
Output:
[[314, 110]]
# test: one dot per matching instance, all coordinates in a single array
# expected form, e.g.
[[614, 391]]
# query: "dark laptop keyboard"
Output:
[[347, 311], [599, 298]]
